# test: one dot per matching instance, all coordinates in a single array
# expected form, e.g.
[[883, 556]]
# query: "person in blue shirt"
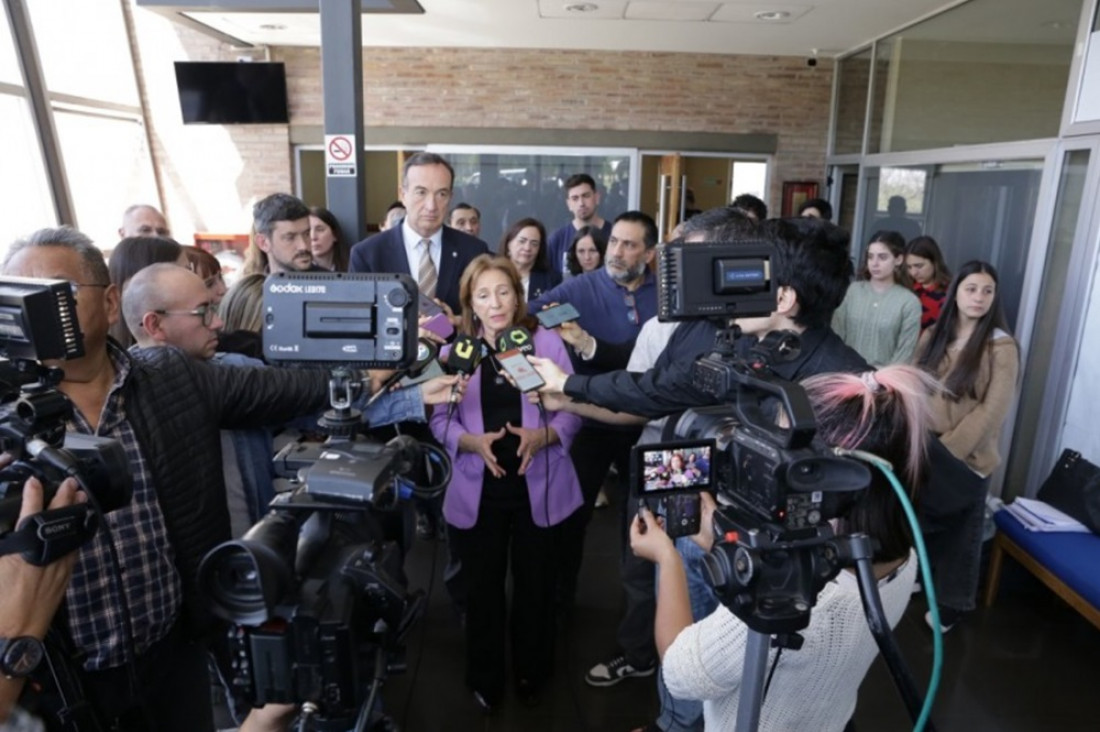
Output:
[[613, 303], [583, 201]]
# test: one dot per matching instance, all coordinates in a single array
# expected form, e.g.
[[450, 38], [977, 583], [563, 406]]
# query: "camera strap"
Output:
[[47, 536]]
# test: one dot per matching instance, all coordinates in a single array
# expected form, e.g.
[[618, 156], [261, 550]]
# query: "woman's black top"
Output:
[[501, 405]]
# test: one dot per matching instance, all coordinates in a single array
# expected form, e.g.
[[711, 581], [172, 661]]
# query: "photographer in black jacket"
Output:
[[812, 268]]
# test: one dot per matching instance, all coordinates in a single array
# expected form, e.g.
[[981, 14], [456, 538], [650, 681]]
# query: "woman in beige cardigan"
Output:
[[971, 351]]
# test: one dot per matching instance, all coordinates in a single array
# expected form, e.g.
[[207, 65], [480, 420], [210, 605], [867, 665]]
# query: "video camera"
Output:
[[776, 486], [38, 323], [315, 592]]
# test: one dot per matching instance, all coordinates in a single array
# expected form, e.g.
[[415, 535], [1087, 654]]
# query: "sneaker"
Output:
[[949, 618], [602, 499], [615, 670]]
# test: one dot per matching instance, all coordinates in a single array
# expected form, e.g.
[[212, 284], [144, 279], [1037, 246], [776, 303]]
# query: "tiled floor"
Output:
[[1028, 664]]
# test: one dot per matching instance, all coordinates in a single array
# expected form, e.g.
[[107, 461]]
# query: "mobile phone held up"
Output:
[[520, 369], [439, 324], [554, 316], [428, 306]]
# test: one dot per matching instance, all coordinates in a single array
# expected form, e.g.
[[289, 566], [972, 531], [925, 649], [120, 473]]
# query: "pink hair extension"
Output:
[[903, 395]]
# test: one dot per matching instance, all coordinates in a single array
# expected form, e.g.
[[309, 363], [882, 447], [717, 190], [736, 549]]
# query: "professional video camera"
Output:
[[38, 323], [315, 592], [776, 485]]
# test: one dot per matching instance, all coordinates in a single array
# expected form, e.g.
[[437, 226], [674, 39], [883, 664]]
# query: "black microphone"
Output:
[[464, 359], [517, 338], [426, 352]]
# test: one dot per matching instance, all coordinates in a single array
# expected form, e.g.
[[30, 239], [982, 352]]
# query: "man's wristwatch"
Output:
[[20, 656]]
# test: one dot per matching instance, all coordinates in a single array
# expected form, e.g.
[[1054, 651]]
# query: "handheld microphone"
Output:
[[517, 338], [426, 352], [464, 359]]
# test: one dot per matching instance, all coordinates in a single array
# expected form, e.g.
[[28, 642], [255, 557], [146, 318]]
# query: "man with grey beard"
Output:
[[613, 301]]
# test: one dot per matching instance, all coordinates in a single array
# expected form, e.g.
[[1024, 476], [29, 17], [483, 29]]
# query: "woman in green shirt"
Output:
[[880, 315]]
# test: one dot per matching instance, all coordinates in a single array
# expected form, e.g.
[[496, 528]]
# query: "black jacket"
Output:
[[176, 406], [667, 388]]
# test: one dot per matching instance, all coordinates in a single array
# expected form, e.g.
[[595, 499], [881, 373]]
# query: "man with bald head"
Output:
[[167, 305], [143, 220], [166, 410]]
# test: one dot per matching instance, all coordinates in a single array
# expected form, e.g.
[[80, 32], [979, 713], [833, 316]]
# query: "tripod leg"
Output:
[[752, 681]]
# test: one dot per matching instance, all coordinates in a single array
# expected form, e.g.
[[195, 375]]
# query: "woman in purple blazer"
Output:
[[513, 482]]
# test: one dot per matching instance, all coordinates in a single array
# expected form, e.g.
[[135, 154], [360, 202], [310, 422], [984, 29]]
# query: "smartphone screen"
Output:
[[520, 369], [428, 306], [555, 316]]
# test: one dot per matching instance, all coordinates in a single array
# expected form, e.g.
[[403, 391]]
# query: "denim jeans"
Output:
[[952, 512], [686, 715]]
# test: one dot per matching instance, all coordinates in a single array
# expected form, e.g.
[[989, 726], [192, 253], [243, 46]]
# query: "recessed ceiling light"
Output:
[[272, 26], [581, 7], [770, 16]]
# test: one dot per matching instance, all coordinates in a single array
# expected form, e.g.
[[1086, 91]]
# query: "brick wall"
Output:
[[208, 175]]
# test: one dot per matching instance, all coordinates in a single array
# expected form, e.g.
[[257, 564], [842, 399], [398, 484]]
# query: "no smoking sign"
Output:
[[340, 156]]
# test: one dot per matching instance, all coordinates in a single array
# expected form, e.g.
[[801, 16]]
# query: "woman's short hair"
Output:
[[541, 261], [477, 267]]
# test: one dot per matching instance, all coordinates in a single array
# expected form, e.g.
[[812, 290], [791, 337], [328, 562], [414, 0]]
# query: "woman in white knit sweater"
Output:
[[885, 412], [880, 316]]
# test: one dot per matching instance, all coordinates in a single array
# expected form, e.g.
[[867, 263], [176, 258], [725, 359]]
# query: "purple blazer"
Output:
[[460, 505]]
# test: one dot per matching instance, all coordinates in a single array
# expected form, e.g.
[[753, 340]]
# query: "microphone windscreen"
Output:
[[517, 338], [465, 355]]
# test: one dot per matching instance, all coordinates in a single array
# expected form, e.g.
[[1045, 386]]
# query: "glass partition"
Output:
[[853, 75], [978, 73], [974, 211], [1040, 352], [24, 188], [507, 186]]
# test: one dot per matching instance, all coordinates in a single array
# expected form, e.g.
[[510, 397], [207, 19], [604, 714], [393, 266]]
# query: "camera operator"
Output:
[[166, 410], [29, 597], [812, 268], [884, 412]]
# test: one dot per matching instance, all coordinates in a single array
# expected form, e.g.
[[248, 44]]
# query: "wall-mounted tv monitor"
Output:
[[227, 93]]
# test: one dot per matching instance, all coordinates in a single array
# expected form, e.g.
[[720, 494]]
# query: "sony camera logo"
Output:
[[290, 288]]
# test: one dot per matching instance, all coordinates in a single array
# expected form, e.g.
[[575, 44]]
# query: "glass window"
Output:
[[24, 188], [9, 62], [1040, 353], [508, 187], [973, 211], [967, 77], [854, 72], [108, 167], [95, 62], [1088, 98]]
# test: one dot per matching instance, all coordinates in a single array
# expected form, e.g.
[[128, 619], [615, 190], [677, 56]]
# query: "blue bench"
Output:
[[1067, 563]]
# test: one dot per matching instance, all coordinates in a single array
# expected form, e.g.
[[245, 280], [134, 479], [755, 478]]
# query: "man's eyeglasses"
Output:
[[632, 308], [75, 286], [206, 311]]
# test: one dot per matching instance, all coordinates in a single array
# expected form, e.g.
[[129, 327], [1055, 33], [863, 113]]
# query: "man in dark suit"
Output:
[[435, 255]]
